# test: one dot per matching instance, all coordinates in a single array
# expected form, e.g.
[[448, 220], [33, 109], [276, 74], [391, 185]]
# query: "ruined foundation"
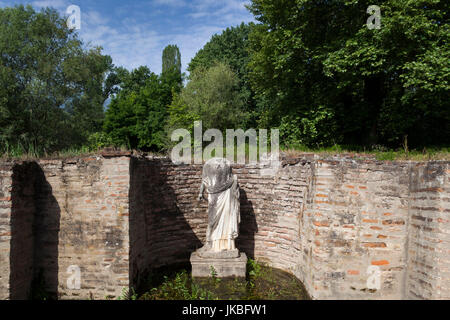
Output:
[[334, 223]]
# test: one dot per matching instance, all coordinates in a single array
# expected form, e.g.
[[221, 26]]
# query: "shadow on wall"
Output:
[[22, 214], [162, 201], [248, 227], [159, 232], [46, 239], [34, 235]]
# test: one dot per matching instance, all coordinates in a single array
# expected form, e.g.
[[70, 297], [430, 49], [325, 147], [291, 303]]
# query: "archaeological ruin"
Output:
[[348, 228]]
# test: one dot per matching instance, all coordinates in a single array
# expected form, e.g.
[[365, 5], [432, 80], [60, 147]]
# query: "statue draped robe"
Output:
[[223, 205]]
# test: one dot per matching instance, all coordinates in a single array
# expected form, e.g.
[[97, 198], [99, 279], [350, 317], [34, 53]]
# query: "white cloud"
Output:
[[93, 18], [230, 12], [129, 44], [133, 41], [190, 43], [57, 4], [172, 3]]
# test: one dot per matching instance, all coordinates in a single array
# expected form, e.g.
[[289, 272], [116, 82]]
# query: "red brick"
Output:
[[370, 220], [353, 272], [321, 223], [375, 245], [380, 263]]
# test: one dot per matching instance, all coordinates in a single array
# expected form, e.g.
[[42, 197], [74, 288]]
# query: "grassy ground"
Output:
[[378, 152]]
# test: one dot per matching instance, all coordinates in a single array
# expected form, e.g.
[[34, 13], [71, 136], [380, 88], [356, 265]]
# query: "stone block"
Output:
[[224, 267]]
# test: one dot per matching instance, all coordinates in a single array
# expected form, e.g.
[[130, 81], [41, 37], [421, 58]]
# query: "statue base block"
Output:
[[226, 264]]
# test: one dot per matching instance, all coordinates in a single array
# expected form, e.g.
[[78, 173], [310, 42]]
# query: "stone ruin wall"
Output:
[[55, 214], [325, 221]]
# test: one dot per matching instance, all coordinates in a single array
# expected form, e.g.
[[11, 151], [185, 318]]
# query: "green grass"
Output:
[[21, 154], [261, 283], [378, 152], [171, 285]]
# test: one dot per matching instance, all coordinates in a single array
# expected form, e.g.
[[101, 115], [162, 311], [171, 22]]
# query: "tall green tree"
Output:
[[171, 75], [137, 114], [375, 85], [212, 95], [231, 47], [51, 87], [171, 59]]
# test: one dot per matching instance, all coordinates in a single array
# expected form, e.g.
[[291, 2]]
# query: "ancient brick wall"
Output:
[[6, 173], [163, 197], [428, 252], [82, 221], [328, 222], [22, 240], [16, 229], [357, 219], [334, 223], [171, 223], [369, 214], [271, 211]]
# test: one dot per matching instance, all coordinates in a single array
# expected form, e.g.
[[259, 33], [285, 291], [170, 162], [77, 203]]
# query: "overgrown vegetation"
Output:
[[261, 283], [328, 79], [377, 152], [309, 68], [52, 88]]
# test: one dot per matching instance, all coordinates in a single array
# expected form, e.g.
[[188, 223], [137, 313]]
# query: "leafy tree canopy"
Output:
[[137, 114], [379, 85], [212, 95], [51, 87], [171, 59], [231, 48]]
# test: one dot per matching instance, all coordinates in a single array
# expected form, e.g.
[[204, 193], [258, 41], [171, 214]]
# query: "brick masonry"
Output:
[[327, 221], [6, 173], [79, 217]]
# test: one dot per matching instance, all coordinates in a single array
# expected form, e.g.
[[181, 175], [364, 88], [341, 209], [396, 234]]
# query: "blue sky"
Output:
[[134, 33]]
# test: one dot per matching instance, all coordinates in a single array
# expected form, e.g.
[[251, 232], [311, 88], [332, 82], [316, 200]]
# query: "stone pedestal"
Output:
[[226, 264]]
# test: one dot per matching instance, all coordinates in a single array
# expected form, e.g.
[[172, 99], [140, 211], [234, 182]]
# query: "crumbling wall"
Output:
[[338, 224], [82, 224], [167, 222], [428, 251], [171, 223], [16, 230], [6, 173], [22, 240], [356, 226]]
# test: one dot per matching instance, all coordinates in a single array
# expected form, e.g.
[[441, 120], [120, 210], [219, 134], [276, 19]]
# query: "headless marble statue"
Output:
[[223, 206]]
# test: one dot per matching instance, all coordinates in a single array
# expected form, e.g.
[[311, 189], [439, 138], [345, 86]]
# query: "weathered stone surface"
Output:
[[224, 213], [226, 254], [223, 267], [325, 220]]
